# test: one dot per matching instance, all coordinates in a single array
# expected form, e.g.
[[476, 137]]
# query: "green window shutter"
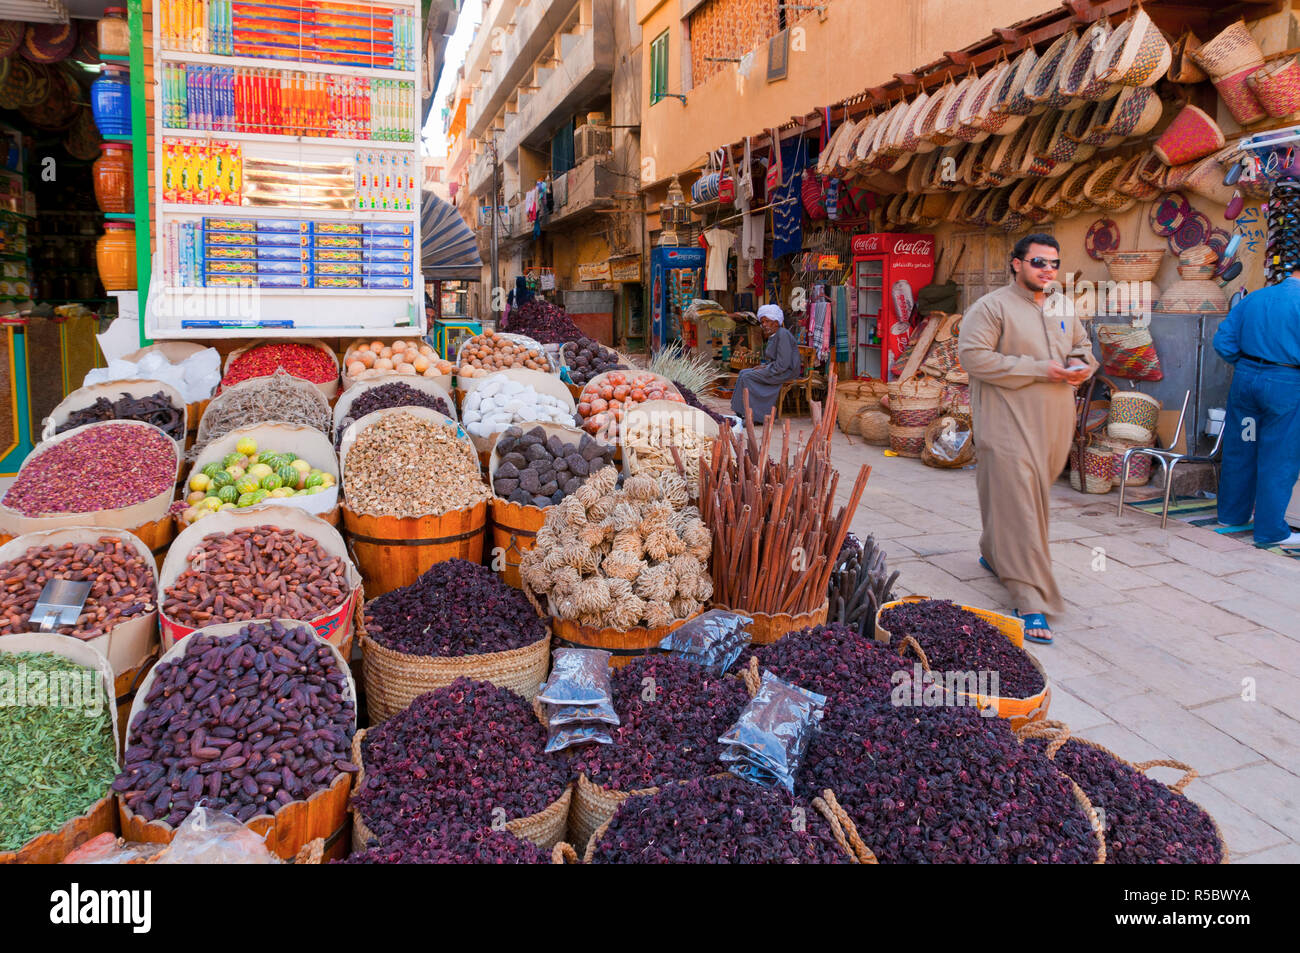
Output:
[[659, 67]]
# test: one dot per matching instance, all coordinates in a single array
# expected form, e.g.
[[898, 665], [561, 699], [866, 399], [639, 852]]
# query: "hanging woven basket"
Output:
[[1192, 135], [1232, 51], [1277, 87], [1042, 88], [1137, 53]]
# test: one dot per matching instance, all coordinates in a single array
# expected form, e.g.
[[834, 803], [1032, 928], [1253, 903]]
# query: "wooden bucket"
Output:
[[767, 629], [393, 551], [323, 815], [623, 645], [514, 532], [1017, 711], [52, 846]]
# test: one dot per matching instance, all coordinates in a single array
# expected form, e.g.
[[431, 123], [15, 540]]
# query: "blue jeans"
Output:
[[1260, 473]]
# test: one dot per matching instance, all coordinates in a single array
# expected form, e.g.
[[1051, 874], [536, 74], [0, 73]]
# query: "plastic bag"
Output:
[[950, 442], [213, 837], [771, 735], [568, 737], [196, 377], [713, 639], [558, 716], [108, 848], [578, 677]]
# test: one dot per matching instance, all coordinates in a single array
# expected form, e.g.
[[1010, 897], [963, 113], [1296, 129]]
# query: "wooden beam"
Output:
[[958, 57], [906, 79]]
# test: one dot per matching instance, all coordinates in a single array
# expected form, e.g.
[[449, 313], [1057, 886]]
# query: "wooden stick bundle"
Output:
[[776, 536]]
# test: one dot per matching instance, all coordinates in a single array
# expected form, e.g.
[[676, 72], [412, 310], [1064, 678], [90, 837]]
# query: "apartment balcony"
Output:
[[585, 71], [585, 190], [480, 173], [515, 53]]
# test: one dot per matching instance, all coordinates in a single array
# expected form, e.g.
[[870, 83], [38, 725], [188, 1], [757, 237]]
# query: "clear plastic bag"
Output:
[[213, 837], [560, 716], [108, 848], [562, 738], [772, 732], [713, 639], [578, 677], [949, 444]]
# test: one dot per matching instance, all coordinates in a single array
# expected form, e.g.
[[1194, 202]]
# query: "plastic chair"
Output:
[[1169, 459]]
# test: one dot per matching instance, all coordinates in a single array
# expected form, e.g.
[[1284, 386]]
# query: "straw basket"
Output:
[[1139, 465], [1130, 181], [1193, 296], [1009, 98], [1277, 87], [593, 806], [852, 397], [914, 402], [926, 128], [1239, 97], [1182, 66], [1230, 52], [1141, 265], [1043, 86], [1136, 55], [1133, 416], [1192, 135], [872, 424], [1097, 469], [1078, 78], [1100, 190]]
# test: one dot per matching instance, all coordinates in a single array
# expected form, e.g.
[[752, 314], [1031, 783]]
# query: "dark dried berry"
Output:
[[832, 660], [456, 843]]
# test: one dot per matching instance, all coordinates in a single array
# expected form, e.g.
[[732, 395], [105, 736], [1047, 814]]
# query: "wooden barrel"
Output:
[[53, 846], [514, 532], [125, 686], [324, 814], [623, 645], [393, 551], [767, 629], [157, 535]]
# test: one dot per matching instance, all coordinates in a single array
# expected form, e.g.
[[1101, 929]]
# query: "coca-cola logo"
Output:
[[919, 246], [866, 243]]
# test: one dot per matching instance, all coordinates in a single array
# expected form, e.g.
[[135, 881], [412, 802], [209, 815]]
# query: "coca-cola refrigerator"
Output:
[[889, 268]]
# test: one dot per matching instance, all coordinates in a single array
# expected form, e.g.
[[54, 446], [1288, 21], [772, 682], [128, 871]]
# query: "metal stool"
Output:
[[1168, 460]]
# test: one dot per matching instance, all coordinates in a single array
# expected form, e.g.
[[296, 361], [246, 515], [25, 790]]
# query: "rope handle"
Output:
[[1057, 733], [1190, 773], [910, 643], [751, 677], [563, 853], [843, 828]]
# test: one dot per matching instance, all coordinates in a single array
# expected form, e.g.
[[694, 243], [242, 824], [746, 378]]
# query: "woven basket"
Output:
[[851, 397], [1193, 296], [1133, 416], [977, 110], [1009, 153], [1130, 180], [872, 424], [1072, 188], [1277, 87], [1192, 135], [1099, 188], [546, 828], [1078, 78], [1199, 255], [1139, 465], [394, 679], [1097, 469], [1134, 112], [1009, 98], [1136, 55], [1182, 67], [593, 806], [1043, 86], [907, 441], [929, 118], [1230, 52], [1239, 97], [1141, 265], [1022, 200], [932, 432], [1196, 272]]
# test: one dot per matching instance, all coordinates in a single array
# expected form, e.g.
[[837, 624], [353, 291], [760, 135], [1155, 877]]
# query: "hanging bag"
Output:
[[1129, 352], [773, 181], [727, 180]]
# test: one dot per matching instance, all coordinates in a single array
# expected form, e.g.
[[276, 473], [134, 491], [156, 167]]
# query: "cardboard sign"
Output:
[[594, 271]]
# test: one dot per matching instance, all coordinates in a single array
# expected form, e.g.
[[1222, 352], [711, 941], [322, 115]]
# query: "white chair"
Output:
[[1168, 460]]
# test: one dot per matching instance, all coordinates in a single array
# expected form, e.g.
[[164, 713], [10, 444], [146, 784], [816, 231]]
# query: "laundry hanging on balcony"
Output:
[[448, 249]]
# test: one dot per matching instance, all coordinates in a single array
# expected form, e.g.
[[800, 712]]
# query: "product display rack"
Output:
[[313, 311]]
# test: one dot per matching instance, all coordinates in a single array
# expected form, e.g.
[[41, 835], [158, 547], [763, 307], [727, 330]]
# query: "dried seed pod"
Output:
[[658, 614], [622, 566], [629, 541], [641, 486]]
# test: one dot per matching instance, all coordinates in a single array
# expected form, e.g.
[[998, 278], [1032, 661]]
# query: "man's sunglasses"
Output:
[[1041, 263]]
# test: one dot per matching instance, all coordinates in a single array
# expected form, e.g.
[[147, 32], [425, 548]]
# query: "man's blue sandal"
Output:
[[985, 563], [1036, 627]]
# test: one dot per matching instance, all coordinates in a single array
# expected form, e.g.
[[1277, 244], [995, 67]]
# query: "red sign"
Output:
[[894, 243]]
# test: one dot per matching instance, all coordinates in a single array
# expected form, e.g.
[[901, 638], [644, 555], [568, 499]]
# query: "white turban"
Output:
[[772, 311]]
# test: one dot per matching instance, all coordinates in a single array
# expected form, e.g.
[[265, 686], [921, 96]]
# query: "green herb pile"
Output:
[[55, 762]]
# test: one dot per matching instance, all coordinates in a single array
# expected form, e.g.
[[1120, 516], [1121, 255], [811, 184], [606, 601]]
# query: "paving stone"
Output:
[[1105, 688], [1186, 737], [934, 544], [1276, 589], [1267, 646], [1263, 611], [1243, 830], [1075, 712], [964, 565], [1262, 727], [1268, 791], [1194, 582], [1120, 549], [1123, 742], [1203, 617], [1285, 854]]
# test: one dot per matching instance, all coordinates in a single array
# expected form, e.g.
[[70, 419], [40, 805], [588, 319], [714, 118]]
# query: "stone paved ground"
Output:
[[1162, 644]]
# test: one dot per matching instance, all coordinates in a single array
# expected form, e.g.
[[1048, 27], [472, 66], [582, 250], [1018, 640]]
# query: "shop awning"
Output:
[[449, 251]]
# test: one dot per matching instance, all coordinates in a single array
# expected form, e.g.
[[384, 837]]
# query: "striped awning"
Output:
[[448, 249]]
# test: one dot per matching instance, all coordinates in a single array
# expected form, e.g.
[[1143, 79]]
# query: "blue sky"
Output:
[[435, 143]]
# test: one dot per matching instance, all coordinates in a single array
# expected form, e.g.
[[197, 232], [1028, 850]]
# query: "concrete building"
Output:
[[554, 103]]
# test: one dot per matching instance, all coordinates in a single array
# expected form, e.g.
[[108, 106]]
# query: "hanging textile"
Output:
[[841, 323], [787, 211], [820, 327]]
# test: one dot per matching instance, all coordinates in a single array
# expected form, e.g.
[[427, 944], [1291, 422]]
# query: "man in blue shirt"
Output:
[[1260, 337]]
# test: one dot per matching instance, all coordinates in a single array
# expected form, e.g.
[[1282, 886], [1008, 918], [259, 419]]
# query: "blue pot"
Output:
[[110, 102]]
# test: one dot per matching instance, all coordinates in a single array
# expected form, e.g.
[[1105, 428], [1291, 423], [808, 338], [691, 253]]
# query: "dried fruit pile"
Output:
[[454, 608], [635, 556], [107, 467], [491, 352], [256, 572], [456, 843], [385, 396], [301, 360], [122, 585], [945, 785], [604, 400], [957, 640], [58, 759], [669, 727], [654, 443], [717, 820], [246, 723], [543, 322], [461, 752], [1145, 821], [402, 465], [364, 361], [832, 660], [586, 358], [531, 464], [156, 409]]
